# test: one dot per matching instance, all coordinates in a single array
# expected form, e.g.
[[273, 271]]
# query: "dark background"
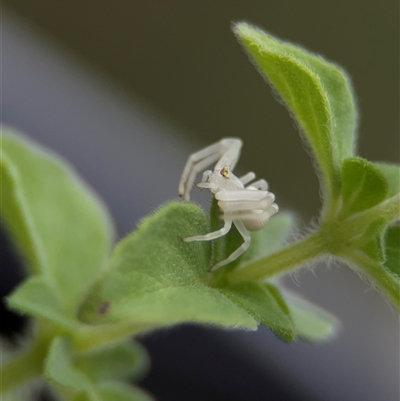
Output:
[[180, 58], [126, 89]]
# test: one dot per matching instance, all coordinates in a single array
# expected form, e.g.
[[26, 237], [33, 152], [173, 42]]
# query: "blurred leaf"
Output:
[[58, 222], [123, 360], [73, 379], [112, 391], [24, 393], [363, 186], [14, 214], [38, 298], [265, 304], [155, 278], [311, 323], [392, 250], [60, 369], [317, 93], [392, 174]]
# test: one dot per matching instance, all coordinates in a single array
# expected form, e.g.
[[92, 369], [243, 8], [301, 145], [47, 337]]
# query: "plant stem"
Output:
[[331, 239], [286, 259], [380, 276], [22, 368]]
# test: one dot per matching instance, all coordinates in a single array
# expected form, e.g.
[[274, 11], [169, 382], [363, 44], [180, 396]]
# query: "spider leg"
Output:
[[233, 256], [196, 162], [226, 152], [241, 195], [261, 185], [247, 205], [253, 219], [247, 178], [201, 165], [214, 235], [231, 153]]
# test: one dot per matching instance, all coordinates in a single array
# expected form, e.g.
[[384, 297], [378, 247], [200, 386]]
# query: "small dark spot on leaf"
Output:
[[104, 307]]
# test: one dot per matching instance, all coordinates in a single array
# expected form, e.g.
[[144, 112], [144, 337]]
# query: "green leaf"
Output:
[[14, 214], [392, 250], [59, 368], [123, 360], [265, 304], [112, 391], [155, 278], [317, 93], [311, 323], [371, 240], [392, 174], [37, 297], [363, 186], [76, 377], [59, 224]]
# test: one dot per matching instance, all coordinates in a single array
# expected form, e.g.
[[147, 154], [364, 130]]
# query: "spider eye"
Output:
[[225, 172]]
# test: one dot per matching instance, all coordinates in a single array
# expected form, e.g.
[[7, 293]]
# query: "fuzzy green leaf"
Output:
[[72, 376], [37, 297], [392, 174], [61, 227], [371, 241], [317, 93], [60, 369], [155, 278], [14, 215], [311, 323], [265, 304], [392, 250], [363, 186], [124, 360]]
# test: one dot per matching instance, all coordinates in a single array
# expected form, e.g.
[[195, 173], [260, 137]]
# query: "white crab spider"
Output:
[[248, 207]]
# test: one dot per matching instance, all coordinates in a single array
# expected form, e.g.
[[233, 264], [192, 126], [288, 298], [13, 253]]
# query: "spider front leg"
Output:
[[242, 248], [214, 235], [226, 152]]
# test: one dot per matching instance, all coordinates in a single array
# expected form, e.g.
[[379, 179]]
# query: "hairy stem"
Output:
[[381, 277], [280, 262], [330, 239]]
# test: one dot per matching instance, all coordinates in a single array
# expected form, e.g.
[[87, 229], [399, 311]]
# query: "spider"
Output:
[[247, 206]]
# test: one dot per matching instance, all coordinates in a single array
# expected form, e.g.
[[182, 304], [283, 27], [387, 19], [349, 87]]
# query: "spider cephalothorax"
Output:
[[247, 206]]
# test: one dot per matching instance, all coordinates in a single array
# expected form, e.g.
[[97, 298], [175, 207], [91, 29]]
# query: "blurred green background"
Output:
[[181, 59]]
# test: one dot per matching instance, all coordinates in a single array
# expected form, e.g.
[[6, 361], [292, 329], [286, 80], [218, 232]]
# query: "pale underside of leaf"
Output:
[[363, 186], [311, 323], [391, 172]]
